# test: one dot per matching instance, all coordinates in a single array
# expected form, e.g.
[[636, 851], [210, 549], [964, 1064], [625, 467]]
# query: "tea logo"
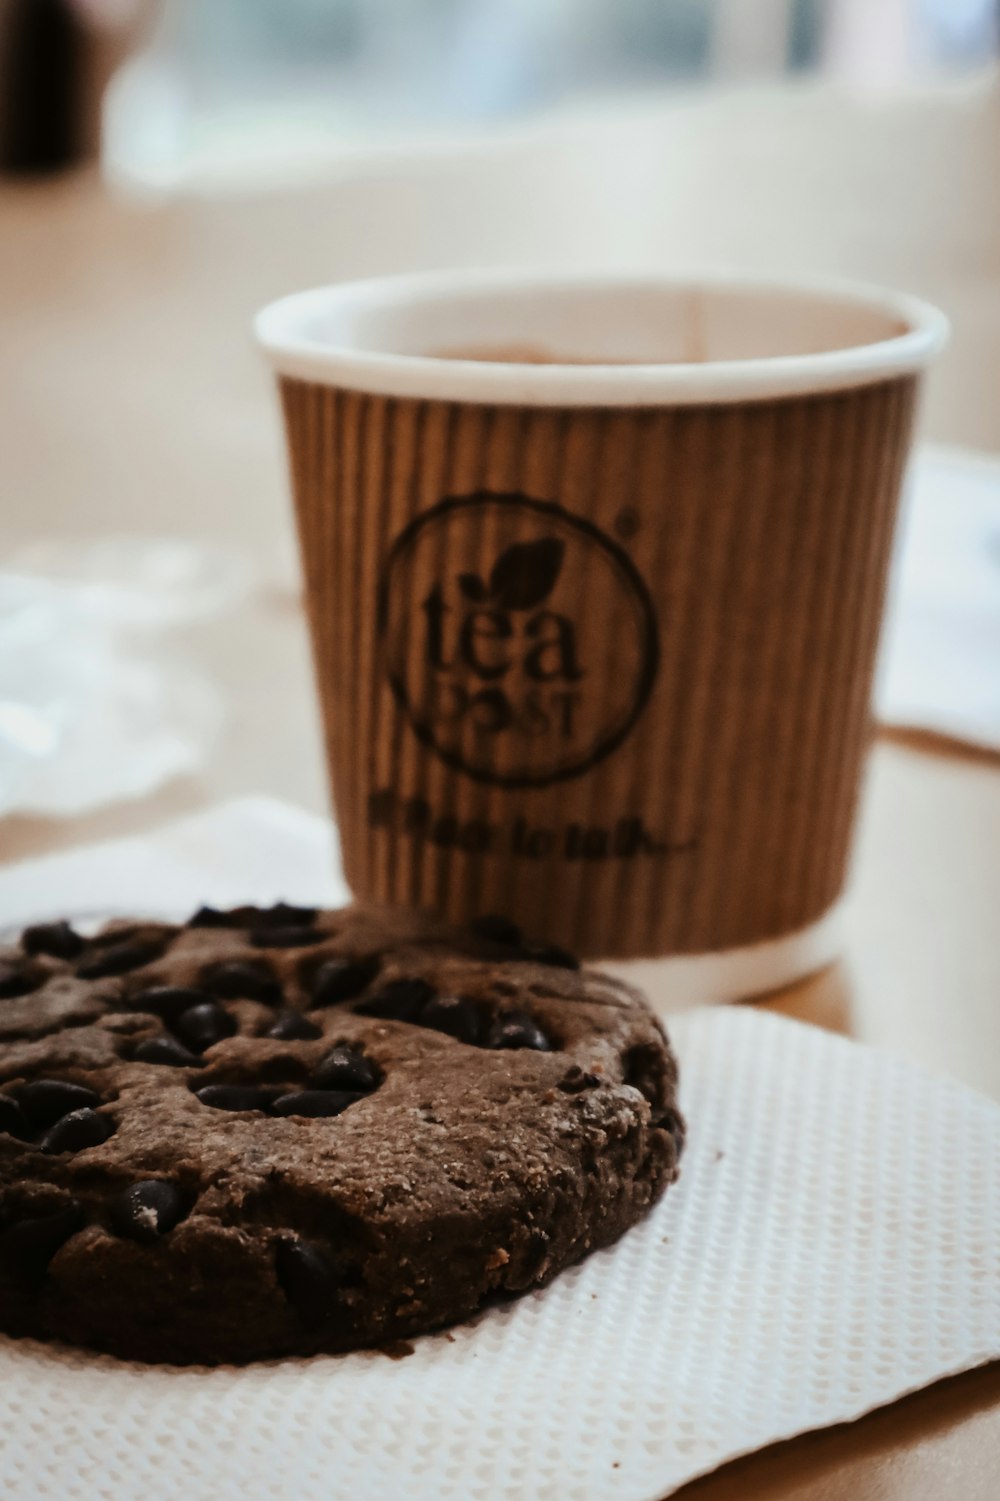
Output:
[[533, 663], [522, 577]]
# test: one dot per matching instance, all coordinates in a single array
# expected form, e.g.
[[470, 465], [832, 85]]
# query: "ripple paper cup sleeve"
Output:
[[594, 573]]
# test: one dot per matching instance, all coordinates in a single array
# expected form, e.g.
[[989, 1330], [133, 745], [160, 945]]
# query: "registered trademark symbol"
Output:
[[627, 522]]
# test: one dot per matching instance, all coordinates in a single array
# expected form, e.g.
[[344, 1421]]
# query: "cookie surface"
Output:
[[279, 1131]]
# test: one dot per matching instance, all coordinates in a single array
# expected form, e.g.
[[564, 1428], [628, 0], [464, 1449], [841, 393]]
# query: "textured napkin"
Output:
[[833, 1243]]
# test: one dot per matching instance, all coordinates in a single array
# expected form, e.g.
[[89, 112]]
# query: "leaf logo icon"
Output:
[[525, 573], [473, 587]]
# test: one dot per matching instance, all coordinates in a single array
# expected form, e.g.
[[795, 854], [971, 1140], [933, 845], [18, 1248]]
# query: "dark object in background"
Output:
[[43, 47]]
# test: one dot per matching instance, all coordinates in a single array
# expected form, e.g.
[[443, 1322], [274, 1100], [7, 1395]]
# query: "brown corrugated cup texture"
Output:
[[607, 671]]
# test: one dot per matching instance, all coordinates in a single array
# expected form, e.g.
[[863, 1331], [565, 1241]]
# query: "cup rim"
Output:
[[283, 331]]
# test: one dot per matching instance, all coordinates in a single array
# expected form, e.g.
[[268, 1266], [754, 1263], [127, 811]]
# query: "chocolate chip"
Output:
[[203, 1025], [29, 1244], [119, 958], [341, 980], [16, 980], [168, 1001], [77, 1131], [292, 1026], [308, 1280], [236, 1097], [281, 915], [210, 917], [314, 1102], [458, 1016], [56, 939], [642, 1067], [243, 979], [575, 1080], [496, 928], [400, 1000], [12, 1118], [343, 1068], [45, 1101], [547, 953], [166, 1051], [285, 915], [669, 1120], [518, 1030], [284, 938], [148, 1210]]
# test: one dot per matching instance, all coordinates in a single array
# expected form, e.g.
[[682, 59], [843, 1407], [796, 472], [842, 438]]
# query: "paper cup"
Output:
[[595, 613]]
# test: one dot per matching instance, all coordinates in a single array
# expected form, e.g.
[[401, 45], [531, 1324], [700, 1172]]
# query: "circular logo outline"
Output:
[[636, 584]]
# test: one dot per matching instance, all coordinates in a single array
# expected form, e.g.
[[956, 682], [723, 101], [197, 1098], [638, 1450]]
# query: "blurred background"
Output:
[[171, 164], [167, 166]]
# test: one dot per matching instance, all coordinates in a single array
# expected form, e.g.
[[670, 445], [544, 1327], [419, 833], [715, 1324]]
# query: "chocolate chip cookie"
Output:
[[276, 1131]]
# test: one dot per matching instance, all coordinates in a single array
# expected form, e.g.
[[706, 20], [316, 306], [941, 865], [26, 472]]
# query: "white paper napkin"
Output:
[[834, 1242], [251, 849]]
